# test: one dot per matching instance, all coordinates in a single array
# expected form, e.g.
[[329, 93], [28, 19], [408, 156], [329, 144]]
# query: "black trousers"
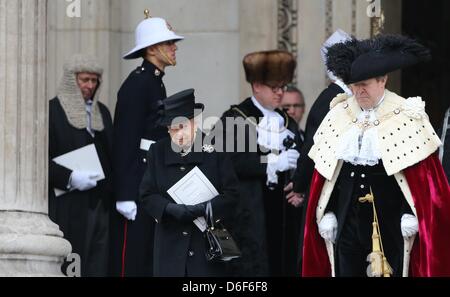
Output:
[[132, 245], [353, 247]]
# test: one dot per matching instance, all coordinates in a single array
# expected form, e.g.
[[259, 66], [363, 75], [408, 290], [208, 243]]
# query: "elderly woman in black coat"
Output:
[[179, 246]]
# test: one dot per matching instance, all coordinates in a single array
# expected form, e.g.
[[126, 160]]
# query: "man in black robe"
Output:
[[263, 149], [76, 120]]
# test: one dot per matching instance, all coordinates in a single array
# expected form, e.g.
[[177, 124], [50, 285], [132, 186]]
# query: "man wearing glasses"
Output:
[[271, 150], [293, 102]]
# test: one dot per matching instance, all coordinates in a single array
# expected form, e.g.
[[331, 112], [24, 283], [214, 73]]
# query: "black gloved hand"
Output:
[[197, 210], [185, 213], [179, 212]]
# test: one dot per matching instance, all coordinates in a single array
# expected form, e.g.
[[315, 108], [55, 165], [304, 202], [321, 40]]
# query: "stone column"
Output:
[[30, 244]]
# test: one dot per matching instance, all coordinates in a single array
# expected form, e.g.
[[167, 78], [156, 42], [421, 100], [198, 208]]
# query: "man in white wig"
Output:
[[79, 199]]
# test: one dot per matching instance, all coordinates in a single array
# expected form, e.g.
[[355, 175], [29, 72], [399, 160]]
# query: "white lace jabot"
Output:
[[359, 145], [271, 129]]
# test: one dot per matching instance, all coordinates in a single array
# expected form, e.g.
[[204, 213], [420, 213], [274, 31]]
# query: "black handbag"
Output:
[[220, 245]]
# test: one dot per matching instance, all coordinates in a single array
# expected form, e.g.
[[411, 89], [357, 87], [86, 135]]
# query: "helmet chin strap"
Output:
[[166, 57]]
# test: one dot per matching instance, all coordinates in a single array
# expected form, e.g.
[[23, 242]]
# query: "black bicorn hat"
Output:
[[358, 60], [178, 107]]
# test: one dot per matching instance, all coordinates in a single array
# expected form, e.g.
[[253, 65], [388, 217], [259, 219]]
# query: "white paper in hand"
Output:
[[84, 159], [192, 189]]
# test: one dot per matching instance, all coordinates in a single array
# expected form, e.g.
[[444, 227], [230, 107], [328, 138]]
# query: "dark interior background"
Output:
[[429, 22]]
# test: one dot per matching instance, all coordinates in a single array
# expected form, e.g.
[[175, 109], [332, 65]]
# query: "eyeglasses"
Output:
[[280, 88], [289, 106]]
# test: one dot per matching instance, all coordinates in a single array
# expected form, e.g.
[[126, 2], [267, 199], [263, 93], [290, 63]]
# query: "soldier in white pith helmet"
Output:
[[135, 130]]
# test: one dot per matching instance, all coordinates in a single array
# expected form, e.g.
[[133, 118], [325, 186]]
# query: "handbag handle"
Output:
[[209, 215]]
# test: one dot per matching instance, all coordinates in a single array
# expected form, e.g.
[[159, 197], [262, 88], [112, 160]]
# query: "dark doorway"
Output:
[[429, 23]]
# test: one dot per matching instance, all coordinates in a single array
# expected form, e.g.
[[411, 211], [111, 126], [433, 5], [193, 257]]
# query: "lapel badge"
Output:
[[208, 148], [157, 72]]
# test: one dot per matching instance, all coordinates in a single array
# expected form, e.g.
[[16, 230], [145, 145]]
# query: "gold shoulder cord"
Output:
[[379, 266]]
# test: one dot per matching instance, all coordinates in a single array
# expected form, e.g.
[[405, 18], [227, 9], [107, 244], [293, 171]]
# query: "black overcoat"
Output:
[[179, 248]]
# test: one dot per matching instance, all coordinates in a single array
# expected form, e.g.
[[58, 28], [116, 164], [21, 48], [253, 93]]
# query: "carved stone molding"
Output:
[[287, 27], [328, 18]]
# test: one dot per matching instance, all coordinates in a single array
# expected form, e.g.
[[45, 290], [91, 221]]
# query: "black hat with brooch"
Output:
[[179, 107], [358, 60]]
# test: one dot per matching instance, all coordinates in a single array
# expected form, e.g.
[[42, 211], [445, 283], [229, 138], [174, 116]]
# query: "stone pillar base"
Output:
[[31, 245]]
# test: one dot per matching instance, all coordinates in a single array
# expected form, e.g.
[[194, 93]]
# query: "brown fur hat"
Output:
[[272, 68]]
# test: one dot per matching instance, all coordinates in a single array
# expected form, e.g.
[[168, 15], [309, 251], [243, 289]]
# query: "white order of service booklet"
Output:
[[192, 189], [85, 159]]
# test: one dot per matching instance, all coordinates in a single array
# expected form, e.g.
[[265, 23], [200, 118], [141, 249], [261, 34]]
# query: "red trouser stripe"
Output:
[[124, 248]]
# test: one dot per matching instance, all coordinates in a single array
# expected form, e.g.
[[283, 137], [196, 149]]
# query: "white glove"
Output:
[[128, 209], [409, 225], [279, 163], [83, 180], [285, 161], [328, 227]]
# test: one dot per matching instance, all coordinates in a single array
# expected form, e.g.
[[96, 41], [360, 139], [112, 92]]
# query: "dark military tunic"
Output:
[[180, 247], [135, 124], [263, 217]]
